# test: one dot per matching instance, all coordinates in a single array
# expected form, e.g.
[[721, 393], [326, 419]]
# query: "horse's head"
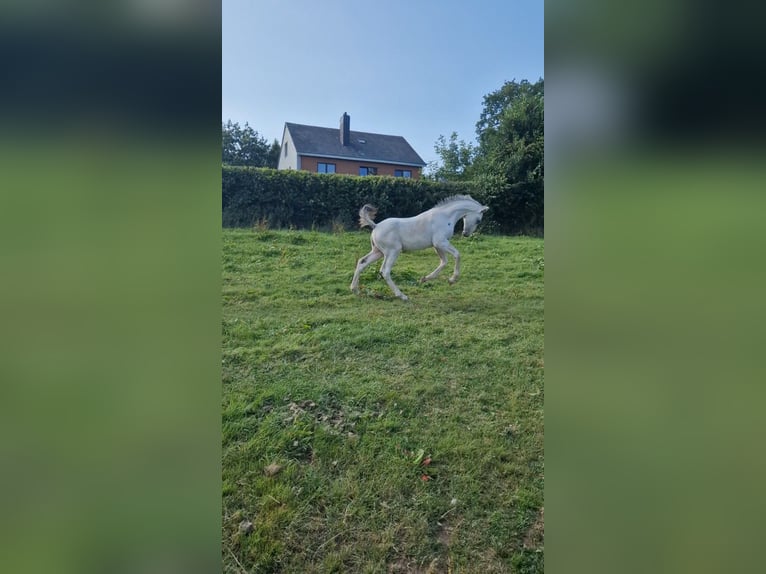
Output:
[[472, 220]]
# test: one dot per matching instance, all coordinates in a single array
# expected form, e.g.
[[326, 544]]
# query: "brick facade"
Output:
[[351, 167]]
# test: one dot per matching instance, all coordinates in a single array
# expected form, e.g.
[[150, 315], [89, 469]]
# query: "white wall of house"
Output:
[[288, 157]]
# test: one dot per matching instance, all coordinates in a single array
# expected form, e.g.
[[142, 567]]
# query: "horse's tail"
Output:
[[366, 216]]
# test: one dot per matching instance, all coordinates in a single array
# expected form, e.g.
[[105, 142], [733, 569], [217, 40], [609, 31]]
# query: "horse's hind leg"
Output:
[[363, 262], [443, 257], [385, 270]]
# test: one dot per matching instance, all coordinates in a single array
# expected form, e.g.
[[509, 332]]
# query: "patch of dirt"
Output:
[[534, 537], [330, 415], [404, 566], [447, 527], [246, 527], [444, 536], [298, 409], [400, 566]]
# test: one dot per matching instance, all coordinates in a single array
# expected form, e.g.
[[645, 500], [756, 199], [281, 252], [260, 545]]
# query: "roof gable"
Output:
[[325, 142]]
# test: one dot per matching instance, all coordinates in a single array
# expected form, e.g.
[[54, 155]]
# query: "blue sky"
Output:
[[416, 68]]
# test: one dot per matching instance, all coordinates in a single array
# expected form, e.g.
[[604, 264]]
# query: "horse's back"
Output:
[[404, 233]]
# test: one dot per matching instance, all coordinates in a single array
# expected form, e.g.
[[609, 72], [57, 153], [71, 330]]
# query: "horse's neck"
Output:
[[457, 211]]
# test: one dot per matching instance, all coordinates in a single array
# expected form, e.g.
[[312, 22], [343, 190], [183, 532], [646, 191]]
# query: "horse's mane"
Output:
[[458, 197]]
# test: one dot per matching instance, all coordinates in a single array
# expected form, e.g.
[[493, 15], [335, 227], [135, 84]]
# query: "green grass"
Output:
[[366, 434]]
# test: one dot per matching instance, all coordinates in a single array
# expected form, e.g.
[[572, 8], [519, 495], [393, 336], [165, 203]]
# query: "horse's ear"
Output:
[[484, 208]]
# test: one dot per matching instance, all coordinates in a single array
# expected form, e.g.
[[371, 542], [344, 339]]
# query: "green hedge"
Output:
[[307, 200], [303, 200]]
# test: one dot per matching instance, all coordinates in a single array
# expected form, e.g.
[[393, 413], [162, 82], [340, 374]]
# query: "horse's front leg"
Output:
[[456, 254], [443, 257]]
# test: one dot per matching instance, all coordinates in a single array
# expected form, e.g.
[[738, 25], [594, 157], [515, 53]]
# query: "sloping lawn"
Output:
[[366, 434]]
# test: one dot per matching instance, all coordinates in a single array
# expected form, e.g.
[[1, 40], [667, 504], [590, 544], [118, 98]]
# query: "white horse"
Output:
[[431, 228]]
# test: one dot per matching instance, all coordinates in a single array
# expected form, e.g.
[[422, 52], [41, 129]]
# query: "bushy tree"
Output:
[[510, 165], [457, 156], [511, 130], [507, 167], [245, 146]]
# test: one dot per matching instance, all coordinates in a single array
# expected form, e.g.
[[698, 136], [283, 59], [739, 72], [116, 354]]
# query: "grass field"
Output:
[[366, 434]]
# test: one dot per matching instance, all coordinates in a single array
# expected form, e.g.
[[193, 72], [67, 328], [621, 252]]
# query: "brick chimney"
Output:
[[345, 129]]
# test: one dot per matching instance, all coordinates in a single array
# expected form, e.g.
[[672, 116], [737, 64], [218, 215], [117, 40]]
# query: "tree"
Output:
[[244, 146], [273, 155], [506, 170], [509, 163], [456, 159]]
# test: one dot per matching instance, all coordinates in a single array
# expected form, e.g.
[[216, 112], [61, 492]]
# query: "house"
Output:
[[328, 150]]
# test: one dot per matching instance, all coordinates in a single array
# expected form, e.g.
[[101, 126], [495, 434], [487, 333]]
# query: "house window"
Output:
[[285, 149], [403, 173], [325, 168], [368, 170]]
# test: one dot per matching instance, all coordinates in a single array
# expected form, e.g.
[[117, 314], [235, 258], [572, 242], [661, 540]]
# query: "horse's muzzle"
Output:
[[466, 234]]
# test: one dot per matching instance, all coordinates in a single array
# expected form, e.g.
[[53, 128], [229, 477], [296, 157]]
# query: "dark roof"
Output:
[[316, 141]]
